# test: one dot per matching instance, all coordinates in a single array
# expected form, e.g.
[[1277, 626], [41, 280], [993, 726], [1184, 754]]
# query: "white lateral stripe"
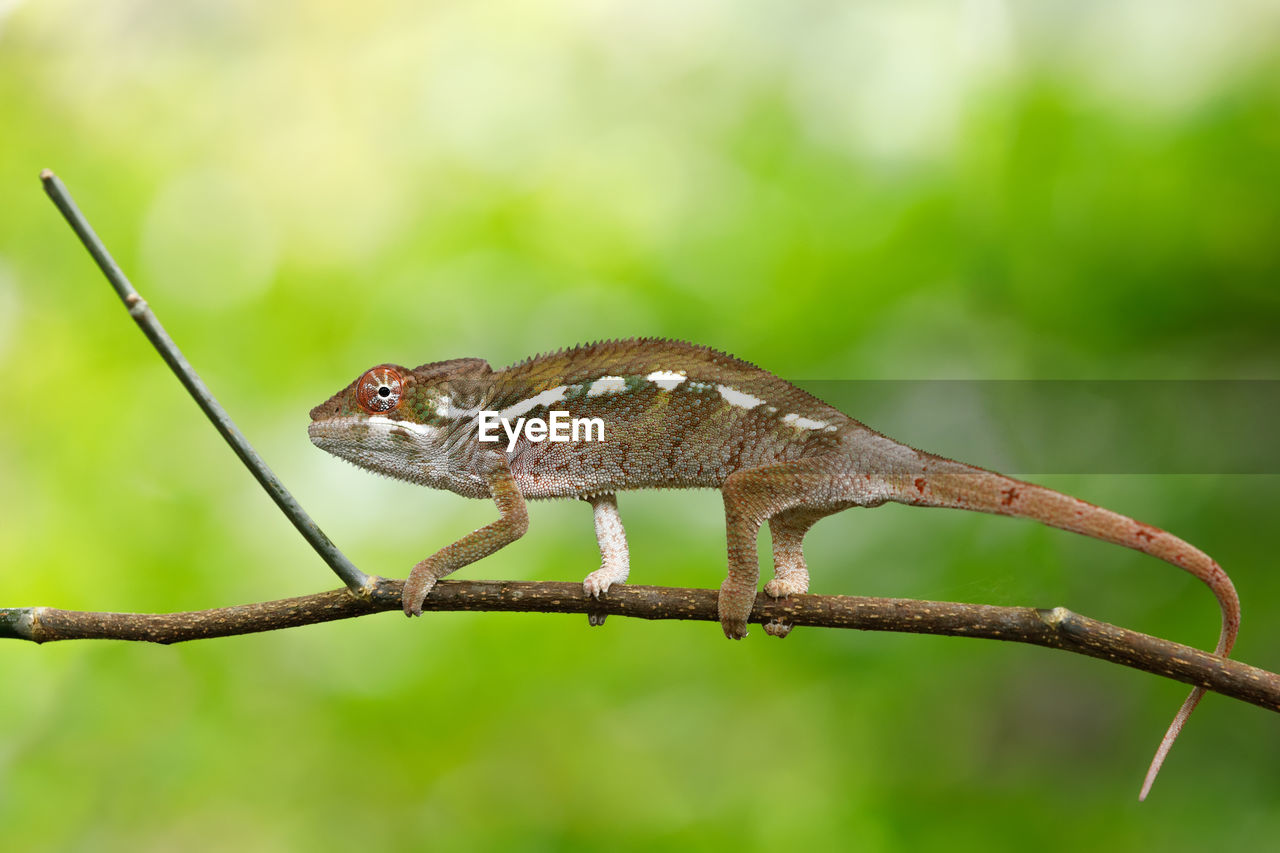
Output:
[[420, 429], [607, 385], [546, 398], [803, 423], [734, 397], [454, 413], [446, 409], [665, 379]]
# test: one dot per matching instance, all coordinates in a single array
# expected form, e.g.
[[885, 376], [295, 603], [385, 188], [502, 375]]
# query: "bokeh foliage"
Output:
[[833, 190]]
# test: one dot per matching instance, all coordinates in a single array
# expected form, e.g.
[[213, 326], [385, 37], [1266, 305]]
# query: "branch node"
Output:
[[1065, 623], [17, 623], [366, 589], [1054, 618]]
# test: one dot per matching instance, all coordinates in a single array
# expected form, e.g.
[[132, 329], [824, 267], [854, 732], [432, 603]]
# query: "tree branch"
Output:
[[147, 321], [1057, 628]]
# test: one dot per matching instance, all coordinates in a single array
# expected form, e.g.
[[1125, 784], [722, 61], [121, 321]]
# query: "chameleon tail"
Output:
[[945, 483]]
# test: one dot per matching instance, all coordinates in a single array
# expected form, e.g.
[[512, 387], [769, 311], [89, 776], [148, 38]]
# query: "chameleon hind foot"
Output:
[[790, 574], [793, 581], [781, 587], [735, 608], [777, 628]]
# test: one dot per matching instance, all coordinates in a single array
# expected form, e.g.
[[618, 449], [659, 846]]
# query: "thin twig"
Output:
[[1057, 628], [355, 579]]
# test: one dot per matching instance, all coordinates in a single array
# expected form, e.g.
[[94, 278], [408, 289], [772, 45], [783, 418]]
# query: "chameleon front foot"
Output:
[[416, 589], [598, 583], [615, 559]]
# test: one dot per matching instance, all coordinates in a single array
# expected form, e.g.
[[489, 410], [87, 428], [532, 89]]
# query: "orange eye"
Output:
[[378, 391]]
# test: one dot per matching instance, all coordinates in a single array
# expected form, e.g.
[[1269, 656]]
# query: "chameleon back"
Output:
[[674, 415]]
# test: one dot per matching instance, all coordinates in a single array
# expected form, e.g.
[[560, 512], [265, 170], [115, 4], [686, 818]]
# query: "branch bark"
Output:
[[1056, 628]]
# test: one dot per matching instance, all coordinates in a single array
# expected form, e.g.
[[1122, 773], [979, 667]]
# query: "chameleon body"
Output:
[[677, 415]]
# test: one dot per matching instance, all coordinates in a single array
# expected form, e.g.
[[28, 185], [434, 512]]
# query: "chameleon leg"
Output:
[[790, 575], [615, 561], [513, 521], [755, 494]]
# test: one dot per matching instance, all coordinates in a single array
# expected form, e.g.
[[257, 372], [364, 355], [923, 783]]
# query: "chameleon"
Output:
[[679, 415]]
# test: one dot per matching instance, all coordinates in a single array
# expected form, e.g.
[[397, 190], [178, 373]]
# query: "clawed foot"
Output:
[[416, 589], [781, 588], [734, 609], [598, 583], [777, 628]]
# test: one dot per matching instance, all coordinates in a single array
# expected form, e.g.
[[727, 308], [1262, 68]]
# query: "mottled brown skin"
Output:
[[677, 415]]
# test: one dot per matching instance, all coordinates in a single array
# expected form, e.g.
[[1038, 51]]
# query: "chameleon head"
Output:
[[386, 421]]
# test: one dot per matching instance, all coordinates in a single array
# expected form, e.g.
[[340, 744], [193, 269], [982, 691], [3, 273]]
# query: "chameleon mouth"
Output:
[[333, 433], [330, 433]]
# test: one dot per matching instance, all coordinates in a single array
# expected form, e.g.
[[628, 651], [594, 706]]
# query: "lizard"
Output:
[[679, 415]]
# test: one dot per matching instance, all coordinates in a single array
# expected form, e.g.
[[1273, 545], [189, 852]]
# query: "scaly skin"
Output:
[[677, 415]]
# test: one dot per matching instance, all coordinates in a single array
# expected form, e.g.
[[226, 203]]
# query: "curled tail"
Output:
[[945, 483]]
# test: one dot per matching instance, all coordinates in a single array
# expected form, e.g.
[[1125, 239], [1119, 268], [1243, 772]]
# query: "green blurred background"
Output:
[[837, 190]]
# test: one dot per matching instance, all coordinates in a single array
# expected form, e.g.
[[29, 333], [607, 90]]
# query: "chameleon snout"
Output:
[[328, 409]]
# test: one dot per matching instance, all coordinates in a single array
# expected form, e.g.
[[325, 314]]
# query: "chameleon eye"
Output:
[[379, 390]]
